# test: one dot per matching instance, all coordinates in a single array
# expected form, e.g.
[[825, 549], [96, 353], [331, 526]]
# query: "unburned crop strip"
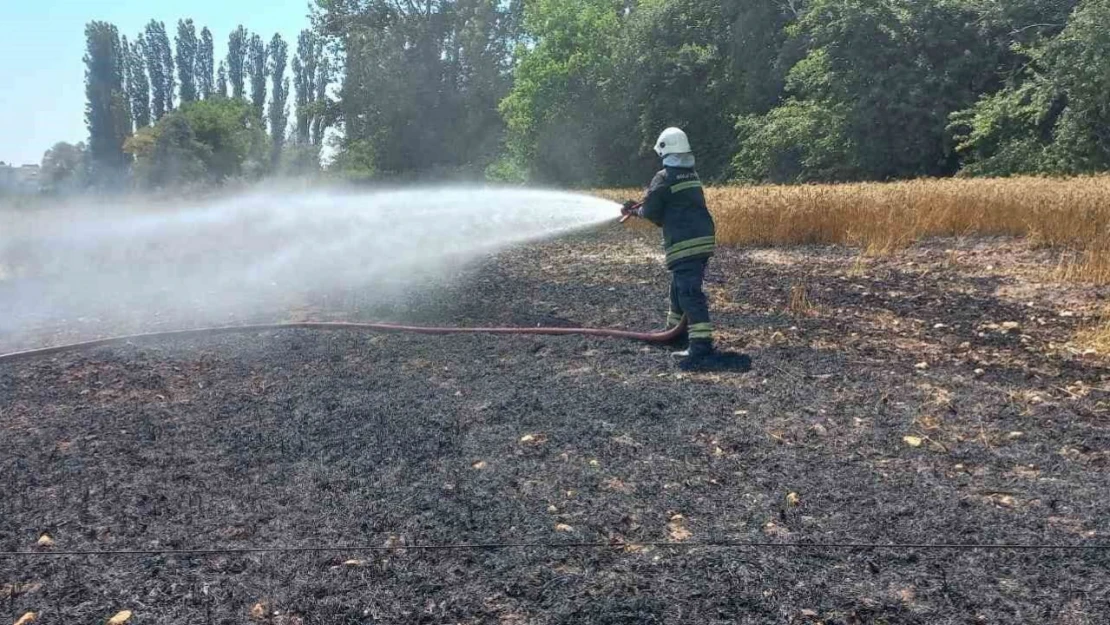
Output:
[[1071, 214]]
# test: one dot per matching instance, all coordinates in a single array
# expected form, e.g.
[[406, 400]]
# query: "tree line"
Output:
[[574, 92], [162, 113], [813, 90]]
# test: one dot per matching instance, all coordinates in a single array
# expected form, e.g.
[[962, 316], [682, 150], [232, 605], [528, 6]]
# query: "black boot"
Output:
[[696, 355], [702, 357]]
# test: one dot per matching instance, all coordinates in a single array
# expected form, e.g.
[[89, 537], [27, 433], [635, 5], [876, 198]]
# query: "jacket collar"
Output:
[[684, 161]]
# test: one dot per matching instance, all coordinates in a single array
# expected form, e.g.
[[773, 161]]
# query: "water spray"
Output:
[[236, 256]]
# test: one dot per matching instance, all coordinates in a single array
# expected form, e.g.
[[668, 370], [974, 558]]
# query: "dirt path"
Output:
[[297, 438]]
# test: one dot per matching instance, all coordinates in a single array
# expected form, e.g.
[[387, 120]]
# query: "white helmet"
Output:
[[672, 141]]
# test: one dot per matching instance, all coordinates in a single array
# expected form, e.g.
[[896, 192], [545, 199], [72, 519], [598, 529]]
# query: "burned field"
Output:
[[929, 397]]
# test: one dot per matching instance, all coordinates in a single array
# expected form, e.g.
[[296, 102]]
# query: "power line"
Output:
[[686, 545]]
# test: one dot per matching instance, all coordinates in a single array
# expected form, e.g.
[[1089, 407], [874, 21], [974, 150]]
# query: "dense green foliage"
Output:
[[421, 83], [559, 119], [817, 90], [1053, 115], [784, 90], [574, 92], [202, 142]]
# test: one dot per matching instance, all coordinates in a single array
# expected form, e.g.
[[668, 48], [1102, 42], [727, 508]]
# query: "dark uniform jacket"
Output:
[[676, 202]]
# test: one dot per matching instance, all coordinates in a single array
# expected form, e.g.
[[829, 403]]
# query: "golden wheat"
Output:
[[879, 218]]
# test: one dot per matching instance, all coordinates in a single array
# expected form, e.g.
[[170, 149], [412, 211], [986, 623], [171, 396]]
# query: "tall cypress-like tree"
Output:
[[236, 61], [304, 81], [167, 53], [256, 67], [320, 120], [138, 85], [279, 114], [107, 110], [311, 77], [125, 74], [152, 55], [206, 63], [221, 80], [186, 58]]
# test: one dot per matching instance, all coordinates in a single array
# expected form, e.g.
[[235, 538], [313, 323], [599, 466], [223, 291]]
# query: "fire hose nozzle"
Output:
[[629, 210]]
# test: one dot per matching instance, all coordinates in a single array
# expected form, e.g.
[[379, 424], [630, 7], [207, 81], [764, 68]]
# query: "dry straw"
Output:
[[1070, 214]]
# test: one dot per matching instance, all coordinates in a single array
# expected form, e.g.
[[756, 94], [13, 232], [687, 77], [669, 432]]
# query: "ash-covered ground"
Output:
[[929, 397]]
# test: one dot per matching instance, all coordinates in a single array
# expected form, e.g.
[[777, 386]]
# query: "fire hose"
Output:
[[667, 336]]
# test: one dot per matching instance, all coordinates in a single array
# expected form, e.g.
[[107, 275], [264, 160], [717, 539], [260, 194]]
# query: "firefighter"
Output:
[[675, 201]]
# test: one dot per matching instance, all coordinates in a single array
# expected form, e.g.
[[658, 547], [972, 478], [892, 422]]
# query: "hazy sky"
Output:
[[42, 42]]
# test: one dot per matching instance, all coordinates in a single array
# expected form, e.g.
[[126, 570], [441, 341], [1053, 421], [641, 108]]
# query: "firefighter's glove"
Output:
[[629, 208]]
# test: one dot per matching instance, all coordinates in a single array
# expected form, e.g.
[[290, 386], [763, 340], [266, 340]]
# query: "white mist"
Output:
[[88, 270]]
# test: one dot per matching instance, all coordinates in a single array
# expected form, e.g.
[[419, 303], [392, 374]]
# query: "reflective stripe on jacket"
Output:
[[675, 201]]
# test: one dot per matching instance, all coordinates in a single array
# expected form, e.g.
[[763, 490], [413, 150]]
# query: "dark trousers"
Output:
[[688, 298]]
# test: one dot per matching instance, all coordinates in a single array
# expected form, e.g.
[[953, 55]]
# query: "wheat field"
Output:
[[879, 218]]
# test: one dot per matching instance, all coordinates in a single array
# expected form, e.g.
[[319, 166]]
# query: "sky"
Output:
[[42, 43]]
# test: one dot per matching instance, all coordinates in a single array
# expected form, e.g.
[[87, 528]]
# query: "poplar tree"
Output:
[[187, 59], [138, 85], [279, 114], [155, 36], [256, 67], [205, 64], [236, 61], [107, 110]]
